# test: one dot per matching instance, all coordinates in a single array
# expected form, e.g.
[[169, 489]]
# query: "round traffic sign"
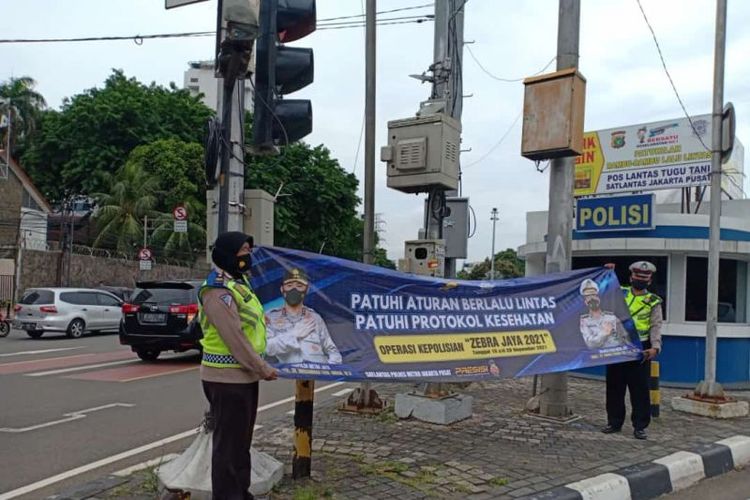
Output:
[[180, 213], [144, 254]]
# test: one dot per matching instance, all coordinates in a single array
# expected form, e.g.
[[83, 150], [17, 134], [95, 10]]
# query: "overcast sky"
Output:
[[626, 82]]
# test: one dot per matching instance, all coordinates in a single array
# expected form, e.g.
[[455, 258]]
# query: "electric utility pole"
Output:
[[553, 401], [709, 386]]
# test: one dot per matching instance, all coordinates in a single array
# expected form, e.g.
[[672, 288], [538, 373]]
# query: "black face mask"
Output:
[[243, 263], [294, 297], [639, 284], [594, 304]]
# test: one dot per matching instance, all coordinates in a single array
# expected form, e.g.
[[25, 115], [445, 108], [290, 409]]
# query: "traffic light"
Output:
[[281, 70]]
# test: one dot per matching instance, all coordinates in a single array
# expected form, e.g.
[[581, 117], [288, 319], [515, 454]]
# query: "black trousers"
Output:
[[233, 408], [632, 376]]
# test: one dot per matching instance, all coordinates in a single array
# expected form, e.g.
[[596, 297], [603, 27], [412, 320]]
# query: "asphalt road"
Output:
[[734, 485], [70, 403]]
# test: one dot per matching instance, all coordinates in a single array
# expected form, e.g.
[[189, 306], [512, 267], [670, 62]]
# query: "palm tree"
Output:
[[22, 106], [182, 246], [121, 212]]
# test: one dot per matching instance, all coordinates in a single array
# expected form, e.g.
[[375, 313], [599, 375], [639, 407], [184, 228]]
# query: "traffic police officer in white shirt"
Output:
[[599, 328], [296, 333]]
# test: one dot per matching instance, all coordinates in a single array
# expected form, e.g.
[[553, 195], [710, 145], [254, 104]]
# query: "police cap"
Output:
[[642, 269], [296, 274], [588, 287]]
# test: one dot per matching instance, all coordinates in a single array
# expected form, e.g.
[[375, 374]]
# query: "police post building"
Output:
[[642, 194]]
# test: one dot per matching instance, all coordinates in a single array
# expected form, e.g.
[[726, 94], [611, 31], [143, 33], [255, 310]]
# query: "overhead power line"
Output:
[[138, 39], [671, 82], [355, 16], [507, 80]]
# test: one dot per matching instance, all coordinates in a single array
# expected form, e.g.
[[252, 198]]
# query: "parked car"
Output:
[[122, 292], [70, 310], [161, 316]]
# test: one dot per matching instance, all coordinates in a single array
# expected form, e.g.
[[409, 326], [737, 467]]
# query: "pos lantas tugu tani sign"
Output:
[[659, 155]]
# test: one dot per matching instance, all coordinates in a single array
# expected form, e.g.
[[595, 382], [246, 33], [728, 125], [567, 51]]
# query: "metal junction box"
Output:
[[553, 109], [424, 257], [422, 152]]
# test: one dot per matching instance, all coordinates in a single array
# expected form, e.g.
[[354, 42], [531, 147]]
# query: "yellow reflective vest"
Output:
[[215, 351], [640, 307]]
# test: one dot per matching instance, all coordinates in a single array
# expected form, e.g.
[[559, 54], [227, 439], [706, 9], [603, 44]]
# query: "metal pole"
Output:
[[709, 387], [226, 135], [303, 423], [553, 400], [368, 239], [492, 256], [145, 231]]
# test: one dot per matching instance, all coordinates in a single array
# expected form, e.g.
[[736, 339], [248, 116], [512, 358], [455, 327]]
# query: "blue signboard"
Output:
[[329, 318], [615, 213]]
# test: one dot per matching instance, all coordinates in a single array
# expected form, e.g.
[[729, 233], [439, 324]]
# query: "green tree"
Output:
[[122, 211], [22, 105], [179, 176], [92, 135], [507, 265], [178, 169], [317, 206]]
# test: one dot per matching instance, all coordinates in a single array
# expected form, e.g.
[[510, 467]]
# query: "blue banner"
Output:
[[329, 318], [615, 213]]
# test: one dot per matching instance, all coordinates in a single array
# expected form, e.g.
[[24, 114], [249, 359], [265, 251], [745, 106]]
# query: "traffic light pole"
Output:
[[553, 399], [226, 152]]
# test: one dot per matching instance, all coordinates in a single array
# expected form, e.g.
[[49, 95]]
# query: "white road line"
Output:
[[145, 465], [342, 392], [79, 368], [95, 465], [42, 351], [290, 412], [129, 453], [69, 417]]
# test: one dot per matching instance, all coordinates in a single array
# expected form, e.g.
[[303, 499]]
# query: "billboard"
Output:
[[329, 318], [651, 156], [615, 213]]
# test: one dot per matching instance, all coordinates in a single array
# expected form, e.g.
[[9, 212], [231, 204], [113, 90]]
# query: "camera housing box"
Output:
[[424, 257], [422, 153]]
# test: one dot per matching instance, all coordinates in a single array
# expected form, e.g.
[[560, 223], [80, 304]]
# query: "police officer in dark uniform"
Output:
[[645, 308]]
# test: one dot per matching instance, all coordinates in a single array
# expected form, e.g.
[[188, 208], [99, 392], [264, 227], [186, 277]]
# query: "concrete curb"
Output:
[[673, 472]]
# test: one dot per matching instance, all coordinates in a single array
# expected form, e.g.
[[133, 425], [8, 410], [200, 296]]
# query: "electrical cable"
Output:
[[474, 215], [270, 109], [402, 18], [671, 82], [211, 155], [507, 80], [380, 12], [138, 39], [498, 143]]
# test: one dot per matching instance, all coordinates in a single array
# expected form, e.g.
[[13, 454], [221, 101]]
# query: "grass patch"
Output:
[[387, 416], [498, 481], [384, 468], [143, 485], [311, 492]]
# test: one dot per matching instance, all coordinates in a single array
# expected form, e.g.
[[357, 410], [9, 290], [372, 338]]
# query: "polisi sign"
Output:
[[615, 213]]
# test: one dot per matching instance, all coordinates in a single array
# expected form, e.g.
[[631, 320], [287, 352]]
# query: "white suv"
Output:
[[70, 310]]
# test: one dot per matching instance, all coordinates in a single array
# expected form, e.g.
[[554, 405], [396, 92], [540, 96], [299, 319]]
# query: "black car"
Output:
[[161, 316]]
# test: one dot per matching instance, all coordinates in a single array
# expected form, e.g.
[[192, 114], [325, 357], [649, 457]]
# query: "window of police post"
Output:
[[733, 284]]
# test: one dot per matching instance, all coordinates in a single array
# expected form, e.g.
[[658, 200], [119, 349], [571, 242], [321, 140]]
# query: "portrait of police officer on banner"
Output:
[[296, 333], [600, 329]]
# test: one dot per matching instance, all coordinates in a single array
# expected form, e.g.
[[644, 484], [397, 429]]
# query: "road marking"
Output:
[[135, 371], [129, 453], [42, 351], [95, 465], [63, 362], [79, 368], [343, 392], [145, 465], [69, 417], [290, 412]]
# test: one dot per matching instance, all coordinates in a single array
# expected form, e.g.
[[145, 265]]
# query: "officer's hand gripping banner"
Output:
[[329, 318]]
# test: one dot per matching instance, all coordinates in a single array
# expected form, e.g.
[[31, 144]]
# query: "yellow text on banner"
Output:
[[463, 346]]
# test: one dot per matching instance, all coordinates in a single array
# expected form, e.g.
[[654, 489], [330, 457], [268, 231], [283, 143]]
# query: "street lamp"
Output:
[[492, 257]]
